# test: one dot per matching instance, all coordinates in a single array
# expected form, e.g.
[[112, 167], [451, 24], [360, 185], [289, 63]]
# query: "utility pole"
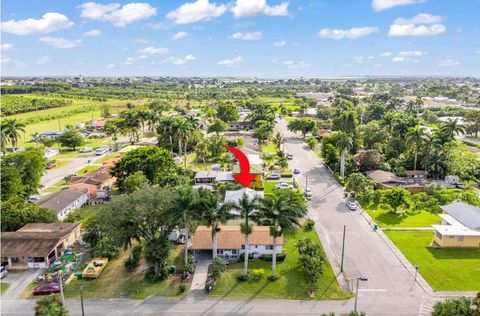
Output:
[[61, 288], [356, 292], [81, 300], [416, 271], [343, 247]]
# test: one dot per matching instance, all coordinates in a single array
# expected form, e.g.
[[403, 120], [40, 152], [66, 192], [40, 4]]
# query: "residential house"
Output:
[[231, 242], [97, 183], [243, 122], [256, 168], [460, 227], [236, 195], [385, 179], [96, 125], [63, 202], [37, 245], [207, 179]]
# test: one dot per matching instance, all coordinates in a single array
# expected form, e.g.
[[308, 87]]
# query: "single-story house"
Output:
[[236, 195], [205, 177], [63, 202], [96, 182], [460, 226], [243, 123], [37, 245], [385, 179], [96, 125], [230, 241], [415, 174]]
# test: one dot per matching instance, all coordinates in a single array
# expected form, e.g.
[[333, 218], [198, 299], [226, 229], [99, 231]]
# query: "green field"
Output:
[[4, 286], [385, 218], [292, 283], [443, 269]]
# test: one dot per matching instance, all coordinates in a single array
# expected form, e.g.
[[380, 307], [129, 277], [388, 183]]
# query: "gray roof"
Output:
[[206, 174], [224, 176], [466, 214], [60, 200]]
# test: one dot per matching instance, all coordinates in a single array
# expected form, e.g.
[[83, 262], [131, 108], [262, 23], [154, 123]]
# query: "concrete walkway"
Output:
[[200, 275]]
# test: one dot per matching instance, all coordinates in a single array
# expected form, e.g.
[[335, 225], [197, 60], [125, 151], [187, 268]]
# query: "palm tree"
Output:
[[281, 211], [181, 129], [202, 151], [11, 131], [167, 127], [247, 207], [344, 143], [36, 138], [451, 128], [212, 212], [415, 138], [436, 163], [278, 140], [357, 182], [184, 208]]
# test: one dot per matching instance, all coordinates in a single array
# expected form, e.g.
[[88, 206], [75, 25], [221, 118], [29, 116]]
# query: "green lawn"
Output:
[[269, 186], [3, 286], [406, 219], [269, 149], [292, 283], [443, 269], [84, 213]]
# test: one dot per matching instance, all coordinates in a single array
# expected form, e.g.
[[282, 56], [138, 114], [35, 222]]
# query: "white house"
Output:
[[235, 196], [230, 241], [63, 202]]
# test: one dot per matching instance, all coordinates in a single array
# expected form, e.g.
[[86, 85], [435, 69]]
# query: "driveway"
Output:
[[18, 281]]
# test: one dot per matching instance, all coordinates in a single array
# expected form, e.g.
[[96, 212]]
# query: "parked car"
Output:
[[46, 289], [274, 176], [352, 205], [289, 156], [86, 149], [283, 185], [308, 193], [100, 151], [296, 171], [51, 164], [3, 270]]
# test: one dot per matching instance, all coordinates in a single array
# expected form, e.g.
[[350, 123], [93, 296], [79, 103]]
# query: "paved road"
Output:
[[18, 281]]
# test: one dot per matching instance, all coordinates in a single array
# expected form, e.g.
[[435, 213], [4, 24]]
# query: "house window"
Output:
[[234, 251], [460, 238], [220, 252], [256, 246], [243, 246], [269, 247]]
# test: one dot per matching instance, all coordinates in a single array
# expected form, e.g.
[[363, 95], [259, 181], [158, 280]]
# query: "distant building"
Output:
[[37, 245], [213, 177], [384, 179], [97, 183], [460, 227], [231, 242], [63, 202]]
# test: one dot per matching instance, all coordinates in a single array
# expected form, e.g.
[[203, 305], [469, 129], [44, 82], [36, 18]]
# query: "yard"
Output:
[[269, 186], [3, 286], [386, 219], [444, 269], [292, 283]]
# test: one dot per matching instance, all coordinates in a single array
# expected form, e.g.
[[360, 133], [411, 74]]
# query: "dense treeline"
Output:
[[21, 104]]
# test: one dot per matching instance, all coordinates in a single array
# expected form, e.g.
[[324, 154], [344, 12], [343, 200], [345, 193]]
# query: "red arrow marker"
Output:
[[245, 177]]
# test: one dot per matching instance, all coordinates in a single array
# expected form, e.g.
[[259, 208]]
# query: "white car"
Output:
[[86, 149], [100, 151], [3, 271], [352, 205], [283, 185], [308, 193], [274, 176], [296, 171], [289, 156]]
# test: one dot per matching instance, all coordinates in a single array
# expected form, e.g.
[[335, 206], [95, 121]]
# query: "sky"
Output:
[[253, 38]]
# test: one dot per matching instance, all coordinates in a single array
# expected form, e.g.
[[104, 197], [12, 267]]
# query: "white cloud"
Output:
[[234, 62], [5, 47], [92, 33], [352, 33], [179, 61], [110, 66], [5, 59], [399, 59], [422, 24], [199, 10], [60, 42], [248, 36], [386, 54], [379, 5], [49, 22], [414, 53], [359, 59], [117, 14], [141, 40], [147, 51], [292, 64], [280, 43], [43, 60], [251, 8], [129, 61], [448, 62], [179, 35]]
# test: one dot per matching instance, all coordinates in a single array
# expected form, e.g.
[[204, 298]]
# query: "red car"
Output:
[[46, 289], [51, 164]]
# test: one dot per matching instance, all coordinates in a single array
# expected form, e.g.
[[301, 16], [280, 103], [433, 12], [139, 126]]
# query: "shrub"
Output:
[[189, 267], [209, 286], [308, 225], [50, 305], [242, 277], [257, 274], [352, 313], [134, 260], [458, 307], [182, 287], [218, 267], [273, 278], [268, 257]]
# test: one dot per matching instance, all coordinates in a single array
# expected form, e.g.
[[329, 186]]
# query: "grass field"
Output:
[[4, 286], [292, 283], [443, 269], [387, 219]]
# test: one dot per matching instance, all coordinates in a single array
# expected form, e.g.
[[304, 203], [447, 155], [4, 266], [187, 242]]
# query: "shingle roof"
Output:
[[59, 200], [380, 176], [230, 237], [466, 214], [206, 174]]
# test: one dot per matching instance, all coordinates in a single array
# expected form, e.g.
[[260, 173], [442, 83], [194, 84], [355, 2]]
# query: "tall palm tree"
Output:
[[247, 207], [181, 129], [281, 211], [36, 138], [451, 128], [212, 212], [344, 143], [278, 140], [202, 151], [436, 163], [11, 131], [185, 209], [167, 127], [415, 138]]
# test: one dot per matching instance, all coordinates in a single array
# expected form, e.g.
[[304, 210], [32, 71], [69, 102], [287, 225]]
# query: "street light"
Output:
[[81, 299], [416, 271], [356, 292]]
